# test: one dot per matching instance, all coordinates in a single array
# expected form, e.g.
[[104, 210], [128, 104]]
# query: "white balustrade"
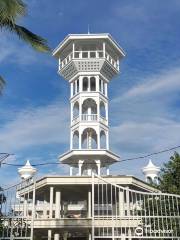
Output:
[[88, 55], [89, 117]]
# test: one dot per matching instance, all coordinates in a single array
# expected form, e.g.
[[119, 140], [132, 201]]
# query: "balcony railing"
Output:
[[89, 117], [89, 55]]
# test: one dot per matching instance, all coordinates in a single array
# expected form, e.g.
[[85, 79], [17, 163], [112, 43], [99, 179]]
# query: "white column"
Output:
[[127, 201], [104, 49], [107, 170], [45, 209], [73, 49], [25, 207], [98, 163], [90, 237], [98, 140], [80, 84], [56, 236], [97, 83], [51, 202], [49, 234], [107, 139], [121, 202], [106, 93], [71, 89], [89, 204], [58, 204], [80, 167], [70, 171]]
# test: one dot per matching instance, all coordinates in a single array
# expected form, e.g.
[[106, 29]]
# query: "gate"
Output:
[[17, 211], [122, 213]]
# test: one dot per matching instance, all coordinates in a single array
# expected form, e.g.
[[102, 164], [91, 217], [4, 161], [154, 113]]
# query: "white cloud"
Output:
[[166, 81], [34, 127], [146, 119]]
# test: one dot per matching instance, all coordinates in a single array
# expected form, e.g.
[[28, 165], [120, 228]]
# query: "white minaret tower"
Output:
[[151, 172], [89, 62]]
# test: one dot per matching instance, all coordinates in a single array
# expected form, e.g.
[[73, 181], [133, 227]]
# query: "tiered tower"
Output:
[[89, 62]]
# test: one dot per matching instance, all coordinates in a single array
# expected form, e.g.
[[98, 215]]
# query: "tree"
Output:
[[10, 12], [170, 175]]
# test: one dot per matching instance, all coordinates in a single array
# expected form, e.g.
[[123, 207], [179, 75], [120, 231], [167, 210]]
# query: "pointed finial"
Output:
[[88, 29]]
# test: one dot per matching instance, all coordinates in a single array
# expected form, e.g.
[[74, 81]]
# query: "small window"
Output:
[[93, 83], [84, 54], [85, 84]]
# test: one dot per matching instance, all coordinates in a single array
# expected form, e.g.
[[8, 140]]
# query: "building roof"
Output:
[[89, 36]]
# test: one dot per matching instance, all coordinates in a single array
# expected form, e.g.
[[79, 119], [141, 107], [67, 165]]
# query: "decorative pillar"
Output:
[[70, 171], [73, 49], [90, 237], [25, 208], [51, 202], [58, 204], [49, 234], [127, 201], [80, 167], [107, 170], [89, 204], [121, 202], [104, 49], [45, 209], [56, 236], [98, 163]]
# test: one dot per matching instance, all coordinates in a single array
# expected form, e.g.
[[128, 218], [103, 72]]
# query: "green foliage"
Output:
[[10, 12], [170, 175]]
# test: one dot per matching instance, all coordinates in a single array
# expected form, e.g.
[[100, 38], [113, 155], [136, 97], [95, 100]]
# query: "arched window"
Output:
[[76, 110], [93, 84], [102, 139], [76, 140], [89, 106], [102, 110], [89, 139], [85, 84]]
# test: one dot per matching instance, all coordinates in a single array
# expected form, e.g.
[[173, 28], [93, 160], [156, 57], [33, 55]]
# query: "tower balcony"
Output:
[[89, 118], [82, 55]]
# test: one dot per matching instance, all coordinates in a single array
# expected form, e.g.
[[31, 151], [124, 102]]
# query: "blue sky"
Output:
[[144, 100]]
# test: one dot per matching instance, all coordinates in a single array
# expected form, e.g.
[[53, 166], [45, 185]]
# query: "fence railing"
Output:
[[127, 214]]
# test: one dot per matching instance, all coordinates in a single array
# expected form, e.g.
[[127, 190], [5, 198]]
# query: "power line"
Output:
[[122, 160]]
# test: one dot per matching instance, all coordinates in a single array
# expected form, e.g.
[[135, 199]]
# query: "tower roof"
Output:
[[89, 36], [151, 168], [27, 170]]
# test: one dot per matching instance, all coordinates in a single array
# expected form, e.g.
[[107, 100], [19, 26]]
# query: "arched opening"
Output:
[[89, 139], [76, 110], [89, 110], [85, 84], [102, 110], [102, 139], [149, 179], [76, 140], [93, 84]]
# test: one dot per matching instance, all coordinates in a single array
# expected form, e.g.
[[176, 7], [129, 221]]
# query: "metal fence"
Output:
[[122, 213], [17, 211]]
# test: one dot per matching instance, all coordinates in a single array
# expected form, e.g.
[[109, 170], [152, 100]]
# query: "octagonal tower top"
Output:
[[88, 52]]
